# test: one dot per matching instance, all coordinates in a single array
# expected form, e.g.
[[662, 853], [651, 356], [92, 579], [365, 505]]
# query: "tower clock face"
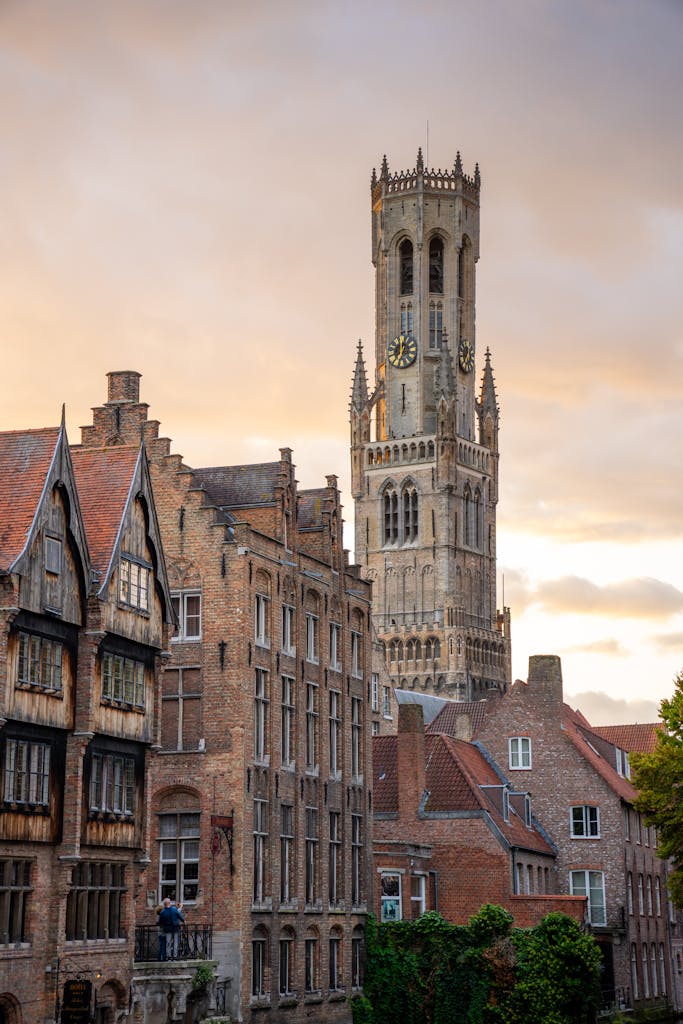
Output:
[[465, 355], [402, 351]]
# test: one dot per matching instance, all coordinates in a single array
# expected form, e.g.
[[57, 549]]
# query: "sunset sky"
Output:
[[185, 192]]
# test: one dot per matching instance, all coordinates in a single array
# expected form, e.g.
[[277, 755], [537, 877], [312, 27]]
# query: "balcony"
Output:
[[194, 943]]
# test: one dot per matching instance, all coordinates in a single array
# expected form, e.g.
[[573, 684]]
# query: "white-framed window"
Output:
[[260, 714], [356, 654], [312, 638], [260, 842], [335, 866], [390, 890], [134, 584], [261, 611], [187, 605], [356, 858], [374, 692], [112, 784], [592, 885], [179, 856], [527, 813], [386, 701], [311, 725], [584, 822], [519, 750], [622, 763], [311, 865], [374, 728], [418, 895], [335, 647], [356, 735], [123, 680], [286, 852], [335, 732], [287, 730], [39, 662], [288, 630], [26, 773]]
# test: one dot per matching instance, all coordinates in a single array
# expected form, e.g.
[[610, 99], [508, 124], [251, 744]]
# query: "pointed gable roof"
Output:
[[26, 457], [634, 739], [104, 477], [588, 743]]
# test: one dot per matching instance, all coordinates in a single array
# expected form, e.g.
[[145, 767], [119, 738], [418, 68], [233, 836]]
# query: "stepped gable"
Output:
[[25, 460], [635, 739], [103, 477], [587, 742], [228, 487], [310, 507], [447, 719]]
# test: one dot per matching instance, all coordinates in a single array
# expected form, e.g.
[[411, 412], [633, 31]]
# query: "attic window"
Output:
[[53, 555], [134, 584]]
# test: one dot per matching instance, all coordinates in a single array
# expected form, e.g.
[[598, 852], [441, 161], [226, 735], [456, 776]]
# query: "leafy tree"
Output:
[[659, 779]]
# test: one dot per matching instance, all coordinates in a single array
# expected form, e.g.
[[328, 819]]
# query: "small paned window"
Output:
[[585, 822], [123, 681], [357, 654], [179, 857], [390, 883], [288, 631], [335, 647], [53, 555], [95, 902], [519, 748], [112, 784], [260, 844], [15, 895], [187, 605], [26, 773], [134, 584], [374, 692], [40, 663], [312, 638], [260, 714]]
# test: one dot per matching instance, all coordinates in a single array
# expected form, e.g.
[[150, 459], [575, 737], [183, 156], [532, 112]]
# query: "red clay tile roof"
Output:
[[636, 739], [447, 719], [25, 460], [103, 478], [309, 510], [456, 775], [588, 742], [239, 486]]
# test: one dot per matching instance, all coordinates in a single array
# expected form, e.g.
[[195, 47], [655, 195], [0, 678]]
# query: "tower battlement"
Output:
[[424, 179]]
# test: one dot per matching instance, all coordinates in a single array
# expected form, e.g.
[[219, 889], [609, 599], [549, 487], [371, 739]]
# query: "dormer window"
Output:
[[623, 766], [134, 583]]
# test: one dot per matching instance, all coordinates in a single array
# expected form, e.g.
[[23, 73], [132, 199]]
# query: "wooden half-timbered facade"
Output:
[[85, 612]]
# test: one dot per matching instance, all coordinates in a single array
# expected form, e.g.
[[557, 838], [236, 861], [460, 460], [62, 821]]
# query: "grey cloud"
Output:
[[666, 642], [600, 709], [643, 598]]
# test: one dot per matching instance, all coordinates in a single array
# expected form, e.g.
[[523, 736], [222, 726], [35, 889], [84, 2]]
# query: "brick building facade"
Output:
[[451, 833], [85, 615], [261, 787]]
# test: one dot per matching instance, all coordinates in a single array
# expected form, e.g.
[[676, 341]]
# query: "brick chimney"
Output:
[[411, 759], [545, 679], [123, 386]]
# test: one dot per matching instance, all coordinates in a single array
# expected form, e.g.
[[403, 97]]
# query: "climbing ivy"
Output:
[[486, 972]]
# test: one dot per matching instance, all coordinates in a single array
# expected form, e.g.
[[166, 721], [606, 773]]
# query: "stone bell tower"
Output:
[[424, 442]]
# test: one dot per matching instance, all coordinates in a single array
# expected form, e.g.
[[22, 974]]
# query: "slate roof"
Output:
[[103, 478], [638, 739], [446, 720], [239, 486], [25, 460], [456, 775], [309, 512], [588, 742]]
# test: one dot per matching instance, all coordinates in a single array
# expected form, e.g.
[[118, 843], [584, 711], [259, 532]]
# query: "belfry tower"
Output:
[[424, 445]]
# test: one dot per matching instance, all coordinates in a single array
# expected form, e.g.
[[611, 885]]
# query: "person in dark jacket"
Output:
[[169, 921]]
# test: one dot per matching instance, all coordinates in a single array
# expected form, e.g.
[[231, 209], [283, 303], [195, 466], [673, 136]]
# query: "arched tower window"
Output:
[[436, 266], [405, 253], [467, 517], [410, 514], [435, 324], [390, 508], [477, 519]]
